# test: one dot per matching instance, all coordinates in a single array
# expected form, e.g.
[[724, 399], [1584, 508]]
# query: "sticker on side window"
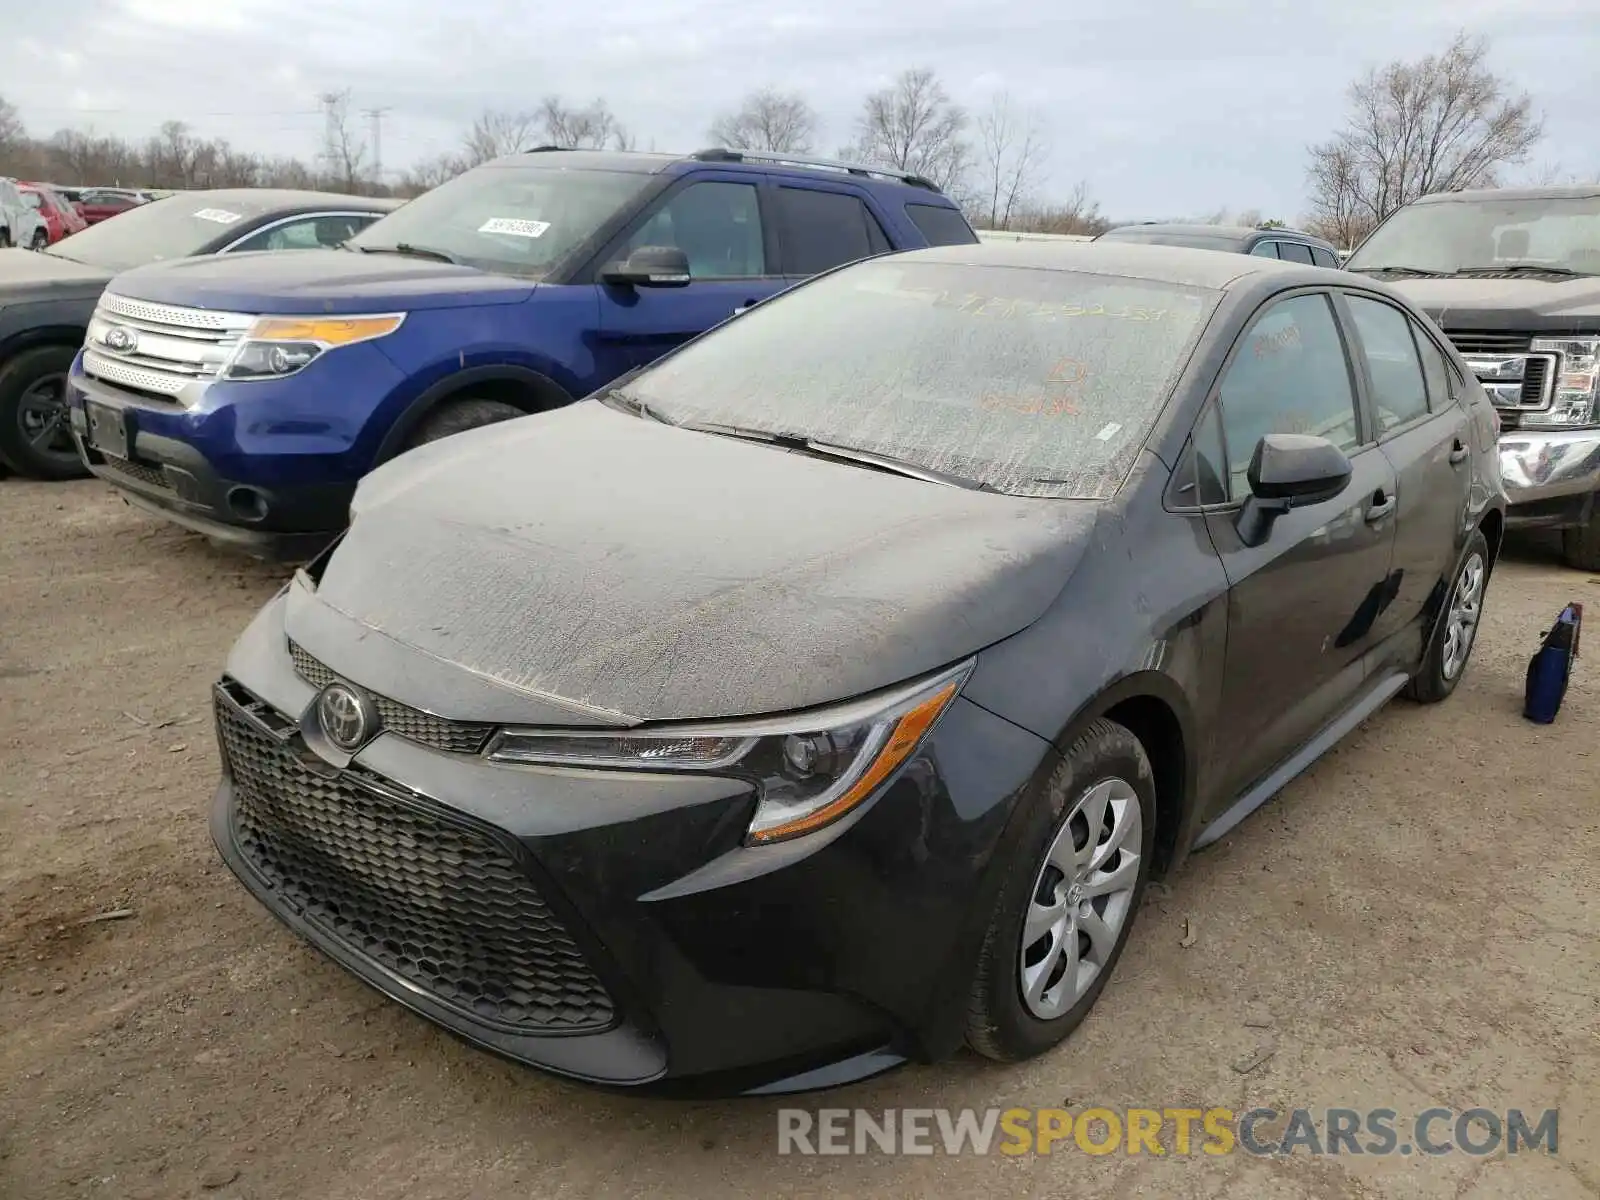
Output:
[[514, 227], [220, 215]]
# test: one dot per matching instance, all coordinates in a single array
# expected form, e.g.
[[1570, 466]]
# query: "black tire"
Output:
[[19, 378], [1435, 679], [1000, 1023], [41, 239], [5, 239], [458, 416], [1580, 544]]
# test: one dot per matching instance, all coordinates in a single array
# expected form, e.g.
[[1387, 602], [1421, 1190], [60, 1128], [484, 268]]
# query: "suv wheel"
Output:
[[458, 416], [35, 436], [1580, 544], [1063, 915]]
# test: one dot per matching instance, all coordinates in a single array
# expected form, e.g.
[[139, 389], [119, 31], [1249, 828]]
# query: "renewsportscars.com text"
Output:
[[1165, 1131]]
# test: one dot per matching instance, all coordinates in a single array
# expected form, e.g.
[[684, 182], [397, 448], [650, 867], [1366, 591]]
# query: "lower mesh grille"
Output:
[[414, 888], [455, 737], [149, 476]]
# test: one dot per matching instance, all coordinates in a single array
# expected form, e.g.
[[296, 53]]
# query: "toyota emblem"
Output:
[[121, 339], [348, 718]]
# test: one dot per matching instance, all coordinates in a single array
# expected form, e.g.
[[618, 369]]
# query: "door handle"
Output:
[[1379, 507], [1458, 453]]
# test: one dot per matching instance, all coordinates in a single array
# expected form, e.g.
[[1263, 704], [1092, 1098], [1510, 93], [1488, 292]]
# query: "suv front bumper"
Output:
[[1550, 475]]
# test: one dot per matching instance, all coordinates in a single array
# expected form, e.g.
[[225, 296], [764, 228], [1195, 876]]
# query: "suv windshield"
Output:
[[518, 220], [1462, 235], [177, 227], [1037, 383]]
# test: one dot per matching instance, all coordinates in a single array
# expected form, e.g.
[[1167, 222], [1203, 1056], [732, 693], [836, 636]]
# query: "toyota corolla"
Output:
[[824, 695]]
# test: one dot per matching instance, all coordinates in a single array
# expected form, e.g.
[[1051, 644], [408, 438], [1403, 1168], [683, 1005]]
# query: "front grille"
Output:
[[1470, 341], [454, 737], [406, 884], [159, 349], [149, 476]]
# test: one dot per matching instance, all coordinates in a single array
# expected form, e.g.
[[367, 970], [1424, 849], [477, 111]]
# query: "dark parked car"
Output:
[[1288, 244], [824, 695], [47, 299]]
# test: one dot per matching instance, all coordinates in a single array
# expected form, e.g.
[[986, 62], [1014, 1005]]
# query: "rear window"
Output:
[[941, 226], [1038, 383]]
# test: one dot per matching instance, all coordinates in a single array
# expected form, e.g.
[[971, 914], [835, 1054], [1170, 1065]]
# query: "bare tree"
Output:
[[343, 150], [768, 120], [1011, 157], [1555, 174], [1077, 214], [430, 173], [1441, 124], [12, 133], [914, 126], [496, 132], [590, 128]]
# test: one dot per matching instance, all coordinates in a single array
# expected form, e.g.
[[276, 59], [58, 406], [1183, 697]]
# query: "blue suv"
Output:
[[246, 397]]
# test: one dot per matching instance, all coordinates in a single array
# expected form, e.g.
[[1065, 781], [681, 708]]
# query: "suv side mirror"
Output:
[[1287, 471], [649, 266]]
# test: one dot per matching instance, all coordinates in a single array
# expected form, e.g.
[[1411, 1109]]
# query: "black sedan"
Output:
[[1291, 245], [47, 298], [823, 696]]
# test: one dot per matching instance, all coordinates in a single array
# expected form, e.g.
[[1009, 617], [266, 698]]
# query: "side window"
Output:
[[311, 233], [718, 225], [1398, 392], [1441, 392], [822, 230], [941, 226], [1324, 258], [1295, 252], [1266, 249], [1210, 459], [1289, 374]]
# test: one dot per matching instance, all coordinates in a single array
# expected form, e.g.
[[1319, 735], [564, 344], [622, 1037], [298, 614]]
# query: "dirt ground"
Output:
[[1413, 923]]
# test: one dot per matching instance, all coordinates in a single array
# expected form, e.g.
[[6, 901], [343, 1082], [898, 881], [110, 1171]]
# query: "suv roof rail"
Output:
[[783, 158], [541, 149]]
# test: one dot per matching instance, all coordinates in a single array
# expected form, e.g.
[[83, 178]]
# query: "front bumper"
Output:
[[1550, 475], [611, 926], [172, 478]]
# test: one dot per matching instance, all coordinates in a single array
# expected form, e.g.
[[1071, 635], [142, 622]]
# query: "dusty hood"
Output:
[[618, 570], [1514, 305], [30, 275]]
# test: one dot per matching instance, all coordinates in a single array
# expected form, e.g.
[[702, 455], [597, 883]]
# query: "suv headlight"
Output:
[[808, 772], [1576, 395], [278, 346]]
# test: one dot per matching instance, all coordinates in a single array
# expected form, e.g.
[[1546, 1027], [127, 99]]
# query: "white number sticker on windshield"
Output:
[[220, 215], [515, 227]]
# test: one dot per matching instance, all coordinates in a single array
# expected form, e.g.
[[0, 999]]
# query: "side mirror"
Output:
[[649, 266], [1288, 471]]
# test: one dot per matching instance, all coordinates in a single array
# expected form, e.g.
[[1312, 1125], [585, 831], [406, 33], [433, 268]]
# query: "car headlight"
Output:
[[1576, 396], [808, 772], [274, 347]]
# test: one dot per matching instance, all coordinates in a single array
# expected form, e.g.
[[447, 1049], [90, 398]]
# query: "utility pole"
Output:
[[332, 117], [375, 115]]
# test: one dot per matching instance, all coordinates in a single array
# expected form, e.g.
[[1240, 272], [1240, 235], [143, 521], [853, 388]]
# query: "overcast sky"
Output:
[[1163, 111]]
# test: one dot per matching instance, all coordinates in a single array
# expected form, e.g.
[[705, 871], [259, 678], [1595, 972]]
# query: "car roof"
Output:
[[273, 199], [1233, 233], [1582, 191], [1219, 270], [802, 166]]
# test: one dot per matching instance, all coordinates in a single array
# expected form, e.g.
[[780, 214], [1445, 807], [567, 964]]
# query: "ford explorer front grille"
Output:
[[159, 349], [454, 737], [426, 894]]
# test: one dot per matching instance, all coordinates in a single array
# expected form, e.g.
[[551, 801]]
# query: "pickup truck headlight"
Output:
[[278, 346], [808, 773], [1576, 396]]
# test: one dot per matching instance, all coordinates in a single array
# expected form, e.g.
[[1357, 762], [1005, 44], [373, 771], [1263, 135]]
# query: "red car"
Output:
[[97, 204], [60, 217]]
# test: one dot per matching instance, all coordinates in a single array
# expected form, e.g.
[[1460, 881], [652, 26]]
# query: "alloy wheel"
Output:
[[1461, 622], [42, 417], [1081, 899]]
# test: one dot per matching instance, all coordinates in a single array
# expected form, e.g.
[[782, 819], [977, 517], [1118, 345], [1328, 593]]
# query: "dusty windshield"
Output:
[[1037, 383], [1555, 232], [514, 220], [177, 227]]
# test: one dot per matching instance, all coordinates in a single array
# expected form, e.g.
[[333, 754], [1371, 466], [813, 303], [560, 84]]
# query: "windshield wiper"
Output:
[[866, 458], [619, 399], [1521, 268], [1401, 270], [411, 251]]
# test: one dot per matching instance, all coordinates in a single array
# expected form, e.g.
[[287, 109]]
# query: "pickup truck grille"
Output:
[[158, 349], [1516, 380]]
